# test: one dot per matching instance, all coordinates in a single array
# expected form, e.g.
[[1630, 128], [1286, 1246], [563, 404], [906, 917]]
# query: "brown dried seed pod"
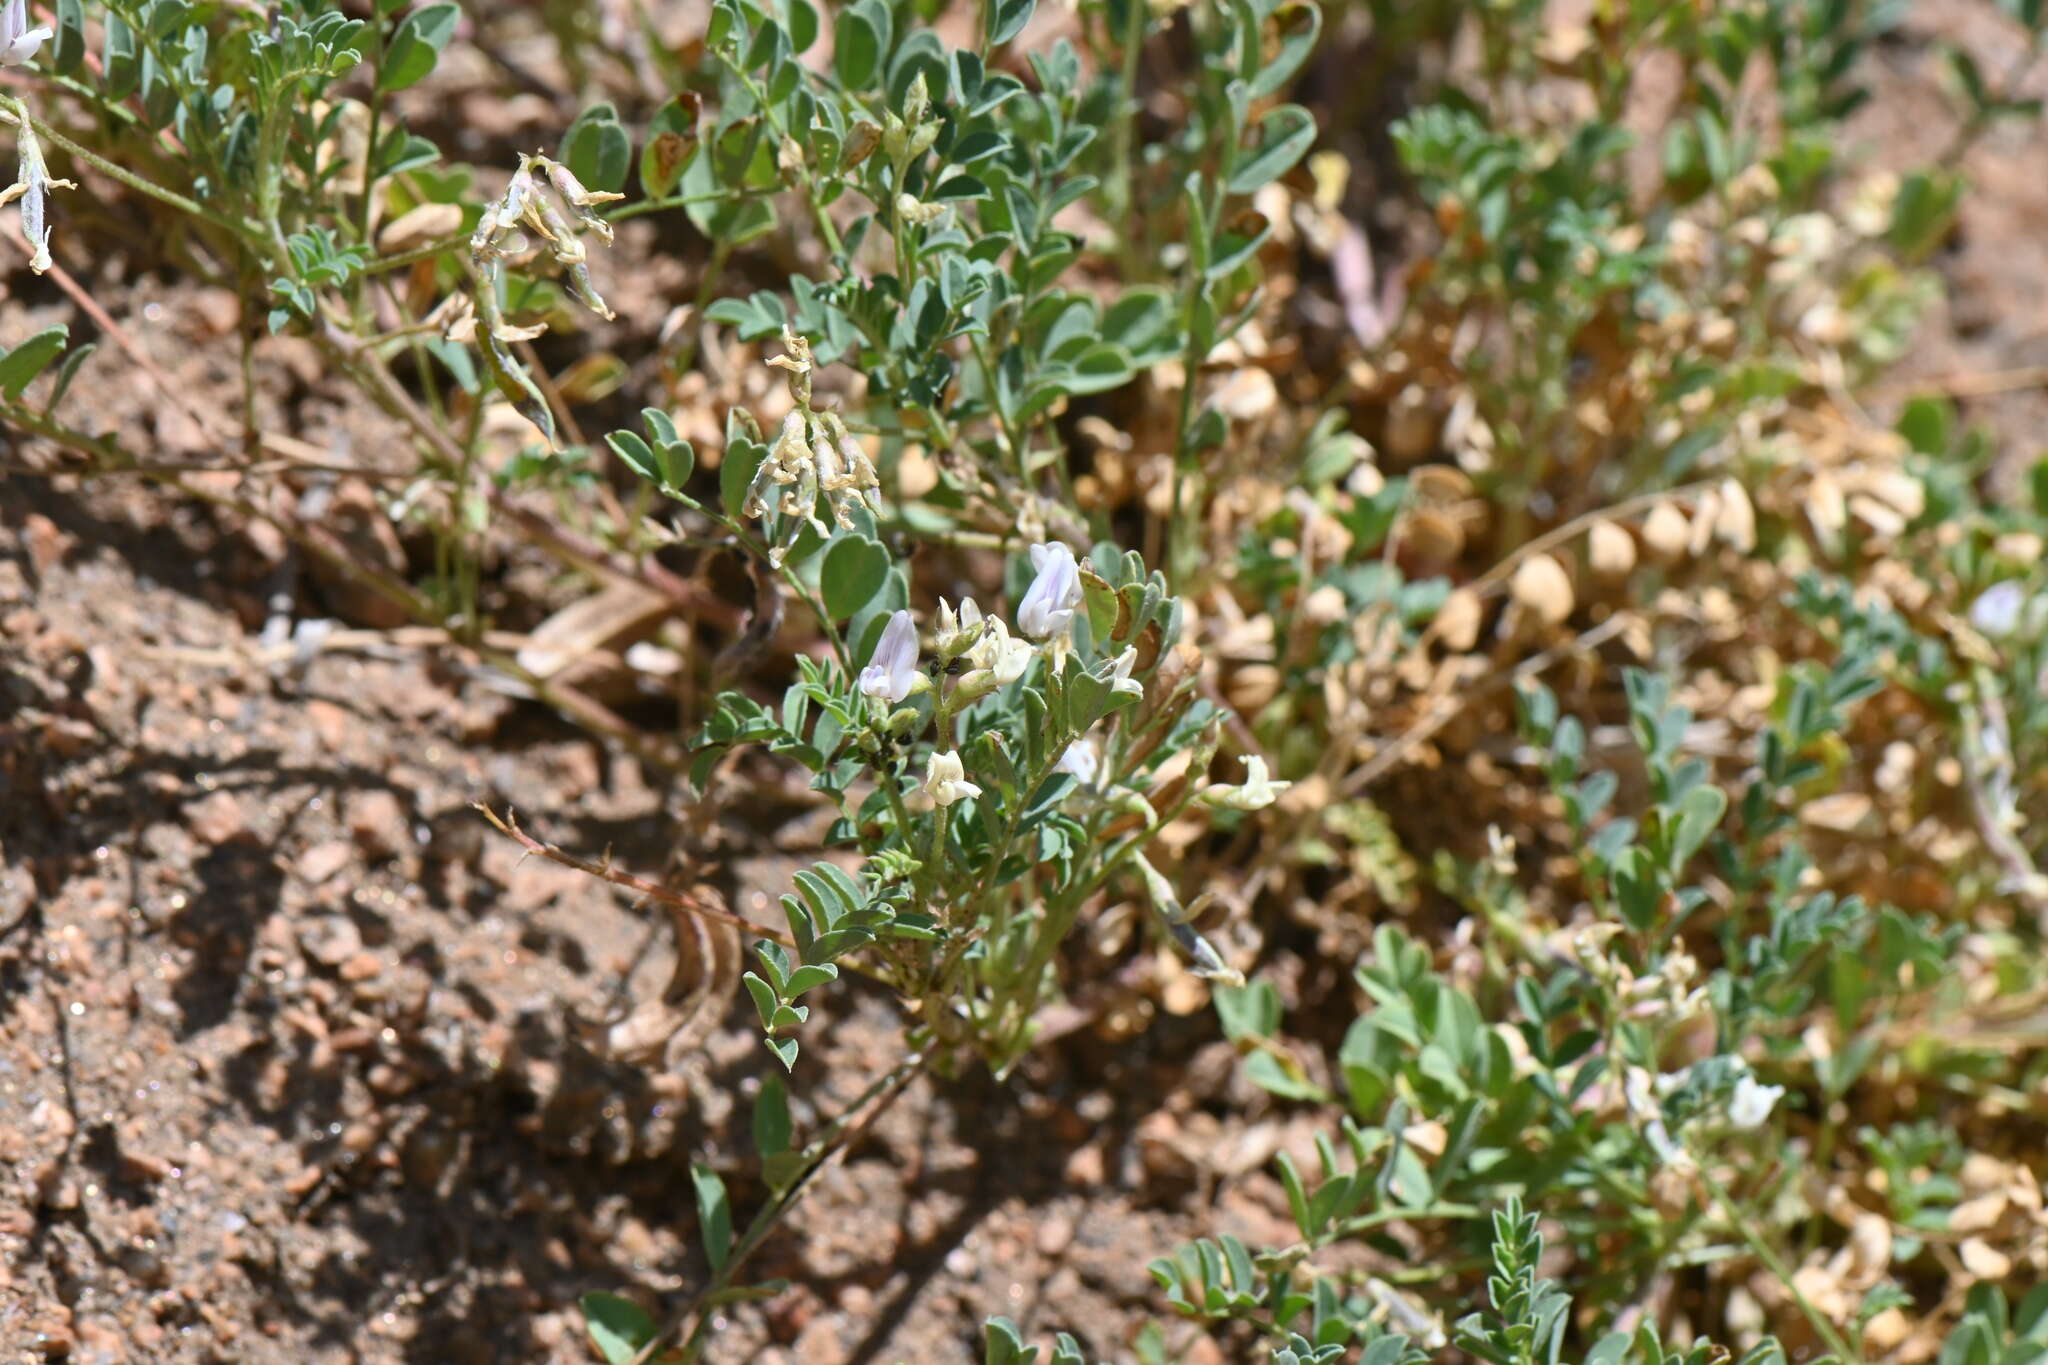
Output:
[[1610, 551], [1435, 483], [1251, 686], [1666, 533], [1412, 427], [1458, 619], [1543, 587], [1431, 536]]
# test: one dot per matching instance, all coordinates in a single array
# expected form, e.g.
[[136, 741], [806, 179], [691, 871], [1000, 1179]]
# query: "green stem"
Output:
[[677, 201], [1125, 133], [369, 204], [1745, 1227]]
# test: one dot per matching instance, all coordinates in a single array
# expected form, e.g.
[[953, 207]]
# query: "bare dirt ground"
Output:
[[293, 1064]]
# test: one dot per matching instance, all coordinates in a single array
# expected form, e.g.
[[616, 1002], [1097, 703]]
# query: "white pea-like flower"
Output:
[[18, 42], [1256, 792], [945, 780], [1120, 679], [1012, 657], [997, 652], [1048, 605], [1998, 608], [892, 673], [1082, 761], [1752, 1102]]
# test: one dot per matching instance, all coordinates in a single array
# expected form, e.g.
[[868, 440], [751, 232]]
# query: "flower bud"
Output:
[[956, 632], [1752, 1102]]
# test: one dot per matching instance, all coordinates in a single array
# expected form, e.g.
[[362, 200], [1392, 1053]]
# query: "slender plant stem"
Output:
[[839, 1137]]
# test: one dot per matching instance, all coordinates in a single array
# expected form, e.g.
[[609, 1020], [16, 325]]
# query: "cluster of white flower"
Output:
[[995, 658], [1748, 1106], [32, 183]]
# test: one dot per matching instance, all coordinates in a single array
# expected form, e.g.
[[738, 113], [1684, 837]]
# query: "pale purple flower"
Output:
[[18, 42], [892, 672], [1048, 605]]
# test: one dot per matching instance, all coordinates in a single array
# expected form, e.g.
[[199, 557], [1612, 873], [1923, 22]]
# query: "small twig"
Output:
[[1981, 384], [508, 825]]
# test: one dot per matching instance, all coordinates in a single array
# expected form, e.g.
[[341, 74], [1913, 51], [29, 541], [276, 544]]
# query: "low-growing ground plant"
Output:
[[1102, 569]]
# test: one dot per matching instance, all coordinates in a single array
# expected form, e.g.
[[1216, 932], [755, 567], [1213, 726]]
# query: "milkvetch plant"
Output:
[[1588, 1074]]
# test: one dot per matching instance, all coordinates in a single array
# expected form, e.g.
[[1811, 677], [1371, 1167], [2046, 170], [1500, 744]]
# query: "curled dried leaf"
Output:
[[418, 227], [1984, 1261], [1434, 537], [1979, 1214], [1735, 523], [1440, 483]]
